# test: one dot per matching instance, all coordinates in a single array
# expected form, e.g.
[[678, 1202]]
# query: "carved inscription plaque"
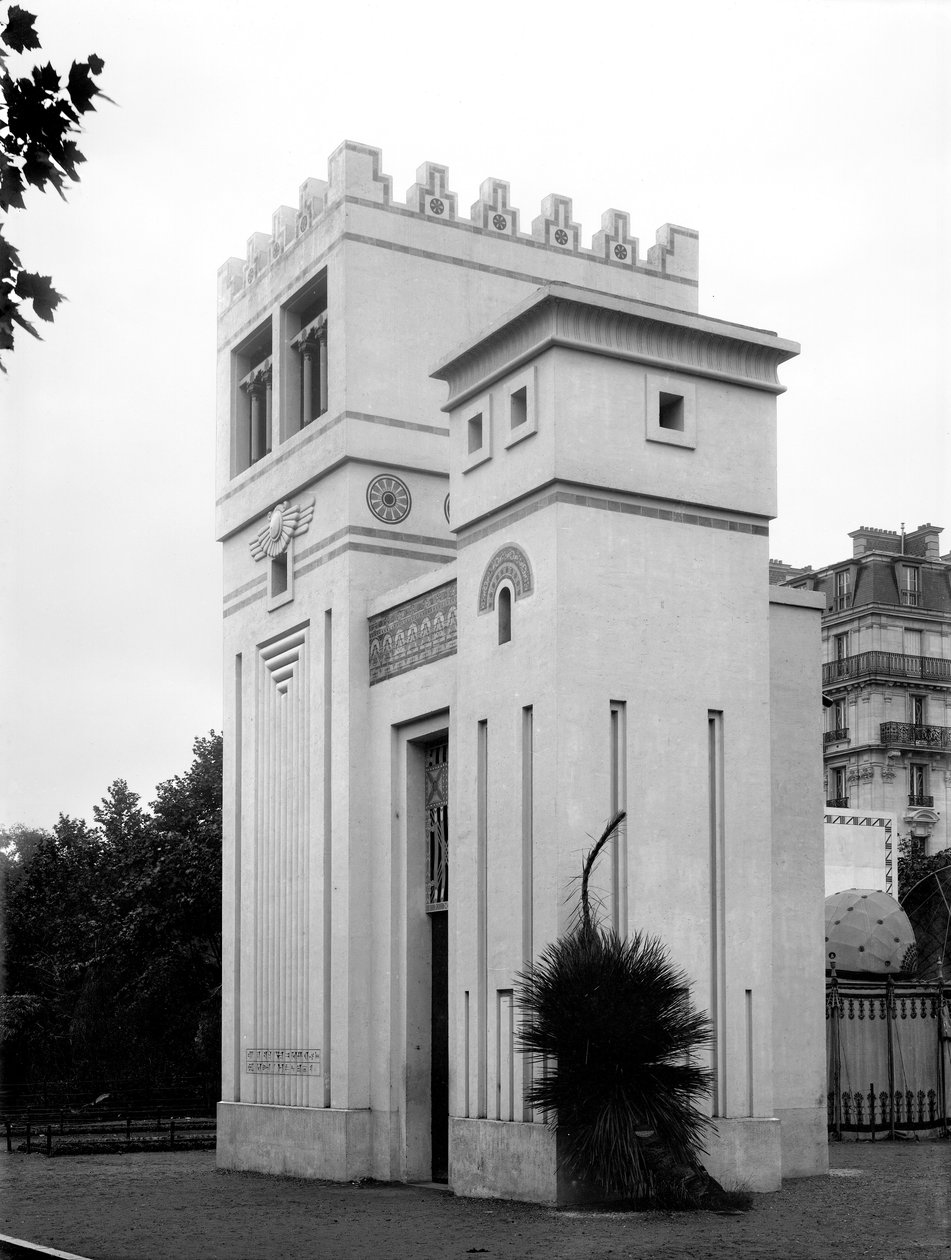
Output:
[[283, 1062]]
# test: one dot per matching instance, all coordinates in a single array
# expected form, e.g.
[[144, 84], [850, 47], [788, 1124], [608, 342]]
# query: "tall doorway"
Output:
[[437, 905]]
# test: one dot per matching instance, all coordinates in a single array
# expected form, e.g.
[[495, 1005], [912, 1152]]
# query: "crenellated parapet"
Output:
[[355, 176]]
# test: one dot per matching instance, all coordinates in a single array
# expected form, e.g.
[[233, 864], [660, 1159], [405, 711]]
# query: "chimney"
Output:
[[867, 538], [924, 542]]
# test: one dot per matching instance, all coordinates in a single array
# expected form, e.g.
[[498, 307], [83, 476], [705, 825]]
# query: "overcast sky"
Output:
[[808, 142]]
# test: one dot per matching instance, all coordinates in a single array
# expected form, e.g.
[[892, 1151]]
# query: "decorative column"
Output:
[[322, 362], [311, 344], [256, 392], [307, 382], [266, 376]]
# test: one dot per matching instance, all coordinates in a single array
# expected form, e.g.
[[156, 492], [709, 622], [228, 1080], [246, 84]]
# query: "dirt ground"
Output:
[[884, 1200]]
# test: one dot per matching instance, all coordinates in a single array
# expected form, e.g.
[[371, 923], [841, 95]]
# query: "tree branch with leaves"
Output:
[[41, 114]]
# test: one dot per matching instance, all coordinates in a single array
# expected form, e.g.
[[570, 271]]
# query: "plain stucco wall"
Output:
[[797, 877]]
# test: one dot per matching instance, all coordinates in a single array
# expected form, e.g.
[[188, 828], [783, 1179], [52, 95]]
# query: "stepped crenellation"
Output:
[[356, 176]]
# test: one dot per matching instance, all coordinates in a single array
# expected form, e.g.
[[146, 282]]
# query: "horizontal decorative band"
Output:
[[640, 332], [413, 633], [600, 502]]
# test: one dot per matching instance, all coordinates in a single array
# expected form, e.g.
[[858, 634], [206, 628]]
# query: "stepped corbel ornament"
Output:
[[283, 524]]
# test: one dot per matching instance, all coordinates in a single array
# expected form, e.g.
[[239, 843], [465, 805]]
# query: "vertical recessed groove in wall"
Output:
[[466, 1057], [254, 925], [499, 1051], [236, 916], [274, 966], [528, 873], [749, 1052], [263, 787], [328, 851], [280, 885], [481, 915], [280, 855], [303, 862], [266, 736], [619, 853], [717, 910], [293, 885], [292, 821]]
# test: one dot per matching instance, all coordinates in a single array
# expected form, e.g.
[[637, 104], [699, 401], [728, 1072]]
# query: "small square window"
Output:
[[670, 410], [518, 409], [476, 433], [519, 400], [474, 428], [280, 579]]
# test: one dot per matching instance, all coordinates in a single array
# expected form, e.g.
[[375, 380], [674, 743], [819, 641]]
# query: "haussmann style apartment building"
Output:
[[886, 680]]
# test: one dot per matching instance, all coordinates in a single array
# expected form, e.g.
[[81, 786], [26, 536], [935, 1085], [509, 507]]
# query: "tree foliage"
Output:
[[40, 116], [112, 936], [914, 865], [613, 1022]]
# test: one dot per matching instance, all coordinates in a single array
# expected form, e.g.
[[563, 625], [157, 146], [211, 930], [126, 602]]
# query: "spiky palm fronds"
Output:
[[614, 1023]]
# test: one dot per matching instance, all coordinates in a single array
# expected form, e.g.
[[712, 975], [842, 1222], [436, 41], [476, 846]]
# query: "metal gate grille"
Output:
[[437, 826]]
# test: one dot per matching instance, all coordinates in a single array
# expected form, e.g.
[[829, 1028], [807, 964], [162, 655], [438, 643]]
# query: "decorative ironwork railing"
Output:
[[887, 664], [437, 826], [916, 798], [837, 802], [911, 599], [916, 736], [831, 737]]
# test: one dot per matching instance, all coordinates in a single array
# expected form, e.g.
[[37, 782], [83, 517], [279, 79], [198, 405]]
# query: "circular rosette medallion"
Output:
[[389, 499]]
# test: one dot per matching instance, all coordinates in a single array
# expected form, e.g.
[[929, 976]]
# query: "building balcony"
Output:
[[886, 665], [925, 802], [908, 735], [837, 802], [832, 737]]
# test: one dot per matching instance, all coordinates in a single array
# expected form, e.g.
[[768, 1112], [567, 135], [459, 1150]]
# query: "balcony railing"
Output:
[[886, 664], [917, 799], [911, 599], [907, 733], [832, 737], [837, 802]]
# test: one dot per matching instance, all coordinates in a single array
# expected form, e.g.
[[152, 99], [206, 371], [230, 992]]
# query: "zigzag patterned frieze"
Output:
[[644, 334], [412, 634], [355, 175]]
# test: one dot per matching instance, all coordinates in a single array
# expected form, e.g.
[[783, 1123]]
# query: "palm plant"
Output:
[[617, 1033]]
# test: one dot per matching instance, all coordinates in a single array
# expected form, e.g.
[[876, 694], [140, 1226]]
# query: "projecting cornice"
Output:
[[561, 315]]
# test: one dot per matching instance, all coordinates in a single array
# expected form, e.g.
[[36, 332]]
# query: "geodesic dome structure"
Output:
[[868, 935]]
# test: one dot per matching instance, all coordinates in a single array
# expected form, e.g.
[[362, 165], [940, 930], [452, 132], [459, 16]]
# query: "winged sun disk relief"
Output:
[[283, 524]]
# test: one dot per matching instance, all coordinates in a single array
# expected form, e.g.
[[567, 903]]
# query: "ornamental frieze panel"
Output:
[[413, 634], [509, 562]]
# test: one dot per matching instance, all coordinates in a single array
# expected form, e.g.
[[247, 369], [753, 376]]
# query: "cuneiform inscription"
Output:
[[283, 1062]]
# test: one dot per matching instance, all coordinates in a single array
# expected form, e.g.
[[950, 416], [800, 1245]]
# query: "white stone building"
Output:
[[494, 507]]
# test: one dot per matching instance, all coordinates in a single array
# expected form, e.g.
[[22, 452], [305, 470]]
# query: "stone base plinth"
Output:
[[501, 1159], [745, 1154], [317, 1142], [805, 1141]]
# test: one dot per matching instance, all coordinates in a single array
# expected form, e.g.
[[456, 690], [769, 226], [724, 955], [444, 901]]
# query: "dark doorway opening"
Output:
[[440, 1045]]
